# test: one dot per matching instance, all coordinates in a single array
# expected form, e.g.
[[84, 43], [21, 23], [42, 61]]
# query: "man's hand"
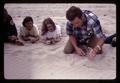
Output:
[[92, 52], [80, 51]]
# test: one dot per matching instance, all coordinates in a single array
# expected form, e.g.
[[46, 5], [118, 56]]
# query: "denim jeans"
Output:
[[109, 39]]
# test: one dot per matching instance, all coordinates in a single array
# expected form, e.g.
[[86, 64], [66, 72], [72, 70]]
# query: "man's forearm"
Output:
[[99, 45], [100, 42]]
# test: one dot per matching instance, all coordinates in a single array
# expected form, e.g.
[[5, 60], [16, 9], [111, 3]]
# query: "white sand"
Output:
[[39, 61]]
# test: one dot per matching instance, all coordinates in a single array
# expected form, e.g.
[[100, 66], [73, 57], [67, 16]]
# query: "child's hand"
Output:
[[33, 41], [48, 42], [57, 39], [20, 43], [53, 41]]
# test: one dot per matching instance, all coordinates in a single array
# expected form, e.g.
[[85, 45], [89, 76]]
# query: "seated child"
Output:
[[51, 33], [10, 31], [29, 31]]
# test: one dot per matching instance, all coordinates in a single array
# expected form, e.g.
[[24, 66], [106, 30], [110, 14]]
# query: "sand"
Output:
[[40, 61]]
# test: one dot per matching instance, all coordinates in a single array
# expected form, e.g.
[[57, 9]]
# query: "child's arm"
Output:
[[57, 39], [25, 38], [36, 38]]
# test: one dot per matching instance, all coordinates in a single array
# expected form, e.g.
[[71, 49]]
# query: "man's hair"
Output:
[[27, 19], [73, 12], [44, 28]]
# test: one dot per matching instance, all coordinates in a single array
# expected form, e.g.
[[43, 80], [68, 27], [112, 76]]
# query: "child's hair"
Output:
[[27, 19], [44, 25]]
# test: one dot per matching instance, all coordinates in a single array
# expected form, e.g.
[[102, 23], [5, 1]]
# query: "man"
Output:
[[10, 31], [84, 30]]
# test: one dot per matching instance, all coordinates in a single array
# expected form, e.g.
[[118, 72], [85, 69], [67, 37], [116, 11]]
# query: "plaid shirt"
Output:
[[89, 28]]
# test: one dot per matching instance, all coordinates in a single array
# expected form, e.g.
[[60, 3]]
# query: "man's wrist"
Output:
[[97, 48], [76, 47]]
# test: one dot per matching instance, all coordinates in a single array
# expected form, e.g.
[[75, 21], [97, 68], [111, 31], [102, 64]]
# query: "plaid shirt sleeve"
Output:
[[98, 30], [69, 29]]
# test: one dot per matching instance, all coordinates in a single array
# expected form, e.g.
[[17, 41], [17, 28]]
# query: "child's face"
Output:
[[29, 25], [50, 27]]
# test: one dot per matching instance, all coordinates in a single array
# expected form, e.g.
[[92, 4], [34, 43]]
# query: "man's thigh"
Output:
[[68, 49]]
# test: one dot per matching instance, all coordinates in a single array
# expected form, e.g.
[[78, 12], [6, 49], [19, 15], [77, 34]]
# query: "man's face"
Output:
[[77, 22]]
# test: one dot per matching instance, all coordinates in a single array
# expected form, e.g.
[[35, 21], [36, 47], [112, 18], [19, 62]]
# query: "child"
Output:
[[29, 31], [10, 33], [51, 33]]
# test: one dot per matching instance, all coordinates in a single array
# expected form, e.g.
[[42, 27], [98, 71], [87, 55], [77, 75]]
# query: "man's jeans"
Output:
[[109, 39]]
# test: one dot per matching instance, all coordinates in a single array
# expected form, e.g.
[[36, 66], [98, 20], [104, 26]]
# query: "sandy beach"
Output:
[[40, 61]]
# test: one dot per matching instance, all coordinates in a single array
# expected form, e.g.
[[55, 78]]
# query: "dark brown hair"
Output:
[[44, 25], [73, 12], [27, 19]]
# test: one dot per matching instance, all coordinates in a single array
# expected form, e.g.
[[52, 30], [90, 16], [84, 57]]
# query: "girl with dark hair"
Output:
[[10, 33], [50, 32], [29, 31]]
